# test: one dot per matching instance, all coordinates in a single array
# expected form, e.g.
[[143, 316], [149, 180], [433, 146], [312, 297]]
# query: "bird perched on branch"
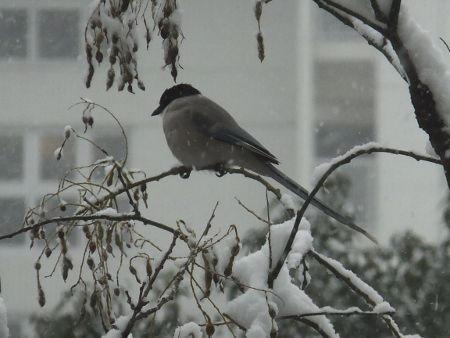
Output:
[[201, 134]]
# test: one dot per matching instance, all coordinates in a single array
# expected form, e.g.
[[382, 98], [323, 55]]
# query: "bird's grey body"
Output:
[[194, 127], [201, 134]]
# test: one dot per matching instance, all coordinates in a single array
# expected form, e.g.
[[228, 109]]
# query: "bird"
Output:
[[203, 135]]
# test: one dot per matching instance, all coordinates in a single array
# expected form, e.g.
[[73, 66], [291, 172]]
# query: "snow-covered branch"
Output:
[[386, 25]]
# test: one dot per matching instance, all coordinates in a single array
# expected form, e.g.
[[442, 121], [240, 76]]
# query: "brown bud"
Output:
[[148, 267], [210, 329], [99, 56], [235, 250], [258, 10], [165, 29], [90, 263], [272, 312], [41, 296], [130, 88], [121, 85], [141, 85], [61, 234], [92, 247], [115, 38], [136, 195], [90, 121], [93, 300], [260, 41], [110, 78], [37, 266], [48, 252], [134, 273]]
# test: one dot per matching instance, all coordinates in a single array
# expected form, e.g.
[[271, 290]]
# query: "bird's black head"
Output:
[[173, 93]]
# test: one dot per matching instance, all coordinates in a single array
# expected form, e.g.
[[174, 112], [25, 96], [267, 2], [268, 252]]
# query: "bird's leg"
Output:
[[185, 172], [220, 169]]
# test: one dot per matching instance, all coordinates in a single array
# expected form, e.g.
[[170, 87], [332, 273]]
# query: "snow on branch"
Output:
[[386, 25]]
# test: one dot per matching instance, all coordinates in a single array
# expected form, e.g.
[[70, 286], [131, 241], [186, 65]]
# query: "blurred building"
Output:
[[320, 91]]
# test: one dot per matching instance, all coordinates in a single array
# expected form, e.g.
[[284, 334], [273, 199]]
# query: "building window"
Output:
[[58, 33], [13, 33], [11, 157], [114, 145], [11, 217], [50, 168], [344, 103]]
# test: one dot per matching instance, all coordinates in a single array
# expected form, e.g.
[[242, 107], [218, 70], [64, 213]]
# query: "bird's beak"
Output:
[[157, 111]]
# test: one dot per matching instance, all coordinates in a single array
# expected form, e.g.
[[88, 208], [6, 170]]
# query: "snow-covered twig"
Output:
[[361, 288]]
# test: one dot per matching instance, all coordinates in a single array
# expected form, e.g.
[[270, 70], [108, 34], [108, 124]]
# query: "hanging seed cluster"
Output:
[[259, 37], [170, 32], [111, 35]]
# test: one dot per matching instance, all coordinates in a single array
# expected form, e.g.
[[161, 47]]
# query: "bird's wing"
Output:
[[240, 137], [216, 122]]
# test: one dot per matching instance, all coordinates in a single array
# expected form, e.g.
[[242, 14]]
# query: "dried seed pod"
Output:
[[136, 195], [99, 56], [41, 295], [121, 85], [109, 248], [89, 75], [141, 85], [258, 10], [134, 273], [93, 300], [174, 72], [67, 265], [165, 29], [110, 178], [92, 246], [90, 121], [210, 328], [260, 41], [235, 250], [148, 267], [65, 272], [37, 266], [90, 263], [48, 252], [116, 291], [110, 78], [115, 38], [272, 310], [99, 39], [118, 240]]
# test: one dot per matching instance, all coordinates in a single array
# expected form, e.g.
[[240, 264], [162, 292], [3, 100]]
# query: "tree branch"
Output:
[[344, 159]]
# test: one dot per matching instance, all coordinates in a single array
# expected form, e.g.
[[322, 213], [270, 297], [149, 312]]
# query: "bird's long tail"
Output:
[[293, 186]]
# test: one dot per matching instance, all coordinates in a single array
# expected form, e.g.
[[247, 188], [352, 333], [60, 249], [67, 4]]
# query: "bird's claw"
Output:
[[185, 173], [220, 170]]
